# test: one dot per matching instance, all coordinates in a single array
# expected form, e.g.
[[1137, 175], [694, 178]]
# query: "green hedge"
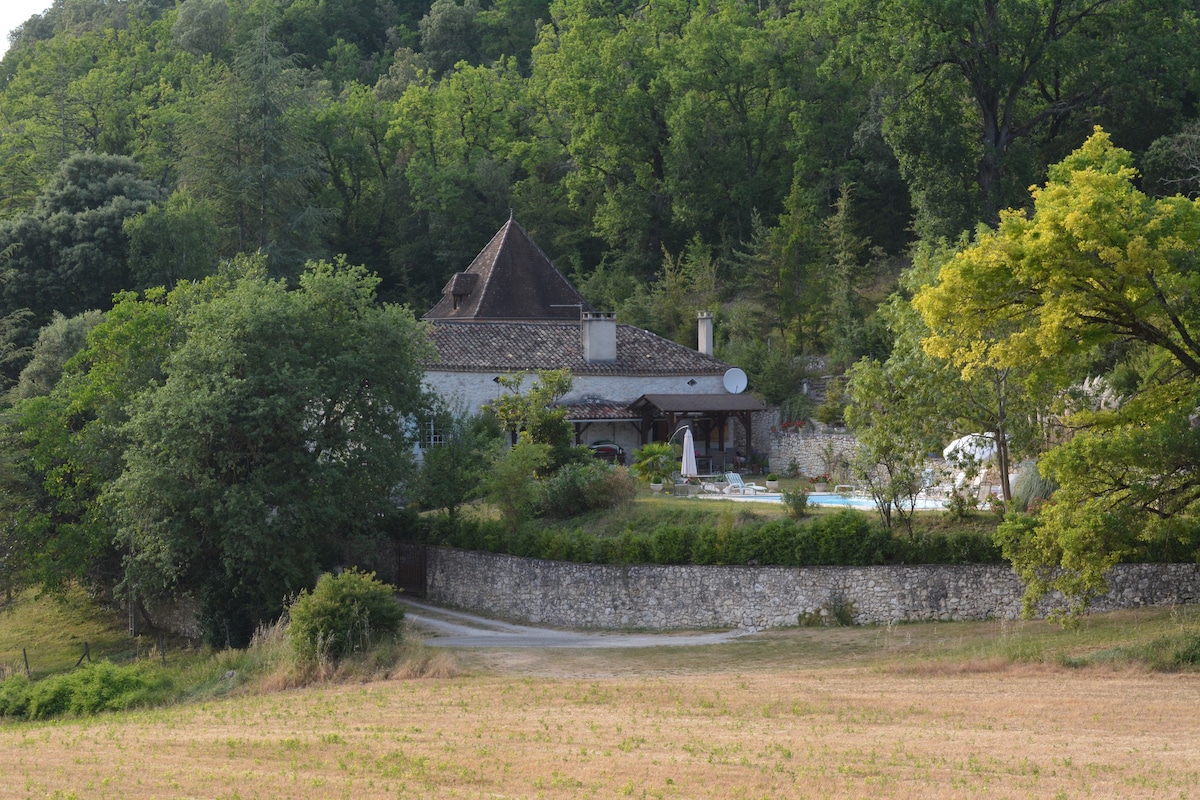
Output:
[[844, 538], [91, 689]]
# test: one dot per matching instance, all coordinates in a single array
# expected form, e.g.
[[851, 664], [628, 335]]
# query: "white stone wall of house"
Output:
[[470, 390]]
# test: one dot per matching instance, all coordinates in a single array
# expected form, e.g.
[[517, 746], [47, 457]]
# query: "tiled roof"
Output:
[[513, 346], [686, 403], [510, 279]]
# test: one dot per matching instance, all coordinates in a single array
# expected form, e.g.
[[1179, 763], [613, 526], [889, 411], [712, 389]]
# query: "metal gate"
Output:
[[410, 568]]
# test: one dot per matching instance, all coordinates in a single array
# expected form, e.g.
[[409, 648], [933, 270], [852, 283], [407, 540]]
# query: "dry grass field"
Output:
[[922, 711]]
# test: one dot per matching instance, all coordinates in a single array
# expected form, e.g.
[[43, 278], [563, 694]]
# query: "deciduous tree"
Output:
[[975, 87], [279, 430], [1096, 263]]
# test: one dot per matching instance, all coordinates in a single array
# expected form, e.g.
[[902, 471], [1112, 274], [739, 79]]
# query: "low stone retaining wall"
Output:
[[691, 597]]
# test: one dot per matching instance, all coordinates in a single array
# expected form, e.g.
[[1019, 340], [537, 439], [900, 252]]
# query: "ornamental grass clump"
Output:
[[796, 503], [344, 614]]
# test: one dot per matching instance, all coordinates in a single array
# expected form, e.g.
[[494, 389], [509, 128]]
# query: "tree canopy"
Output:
[[1098, 279], [404, 133], [231, 432]]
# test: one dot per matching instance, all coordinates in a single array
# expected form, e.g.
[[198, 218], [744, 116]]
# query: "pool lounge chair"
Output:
[[735, 485]]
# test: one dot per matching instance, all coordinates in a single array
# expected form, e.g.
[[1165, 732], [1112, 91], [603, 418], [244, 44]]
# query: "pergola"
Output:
[[708, 413]]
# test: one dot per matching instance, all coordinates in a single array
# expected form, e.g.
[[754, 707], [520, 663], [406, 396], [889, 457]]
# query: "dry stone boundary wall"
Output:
[[810, 451], [652, 597]]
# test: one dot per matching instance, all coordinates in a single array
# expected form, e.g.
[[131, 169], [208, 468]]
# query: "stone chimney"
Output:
[[599, 332], [704, 332]]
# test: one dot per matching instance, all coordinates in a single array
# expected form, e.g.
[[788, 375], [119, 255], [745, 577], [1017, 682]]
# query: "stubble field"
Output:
[[926, 712]]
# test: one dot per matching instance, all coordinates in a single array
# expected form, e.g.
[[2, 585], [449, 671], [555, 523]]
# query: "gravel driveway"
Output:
[[446, 628]]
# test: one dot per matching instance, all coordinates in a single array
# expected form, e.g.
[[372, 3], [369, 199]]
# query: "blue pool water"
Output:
[[923, 503], [830, 499]]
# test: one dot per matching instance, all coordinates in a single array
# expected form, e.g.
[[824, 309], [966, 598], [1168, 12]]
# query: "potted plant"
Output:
[[772, 481]]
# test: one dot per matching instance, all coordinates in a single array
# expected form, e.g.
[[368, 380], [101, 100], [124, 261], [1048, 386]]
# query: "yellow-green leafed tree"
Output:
[[1095, 267]]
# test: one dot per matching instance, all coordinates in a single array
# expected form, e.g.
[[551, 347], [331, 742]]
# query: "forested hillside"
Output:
[[833, 177], [776, 159]]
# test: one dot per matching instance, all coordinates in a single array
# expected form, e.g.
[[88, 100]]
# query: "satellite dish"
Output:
[[734, 380]]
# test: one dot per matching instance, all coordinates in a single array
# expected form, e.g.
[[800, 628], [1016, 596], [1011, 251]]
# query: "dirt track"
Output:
[[448, 628]]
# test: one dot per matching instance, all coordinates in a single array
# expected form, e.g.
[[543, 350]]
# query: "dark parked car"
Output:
[[608, 450]]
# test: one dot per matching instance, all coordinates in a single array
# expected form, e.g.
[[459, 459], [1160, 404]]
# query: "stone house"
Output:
[[513, 311]]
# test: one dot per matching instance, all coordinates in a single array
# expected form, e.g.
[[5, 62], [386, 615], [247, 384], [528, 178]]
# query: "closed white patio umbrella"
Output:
[[688, 469]]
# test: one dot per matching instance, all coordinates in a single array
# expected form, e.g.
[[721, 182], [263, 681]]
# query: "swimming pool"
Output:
[[829, 499], [849, 501]]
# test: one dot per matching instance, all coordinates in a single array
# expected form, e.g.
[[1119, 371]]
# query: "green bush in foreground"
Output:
[[91, 689], [344, 614]]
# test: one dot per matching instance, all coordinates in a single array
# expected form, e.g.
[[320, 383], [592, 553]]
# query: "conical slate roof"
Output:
[[510, 280]]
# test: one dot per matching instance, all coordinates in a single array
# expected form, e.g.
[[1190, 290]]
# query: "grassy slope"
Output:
[[651, 508], [53, 630]]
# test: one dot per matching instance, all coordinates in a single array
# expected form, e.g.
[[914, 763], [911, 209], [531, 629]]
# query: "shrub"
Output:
[[612, 486], [578, 488], [961, 506], [688, 533], [91, 689], [343, 614], [14, 696], [796, 503], [672, 544], [832, 411], [846, 538], [562, 492], [955, 547], [777, 543], [632, 548], [710, 547], [842, 611], [49, 698], [1187, 651], [654, 461]]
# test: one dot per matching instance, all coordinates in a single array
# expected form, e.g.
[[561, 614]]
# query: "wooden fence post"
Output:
[[25, 656], [135, 627]]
